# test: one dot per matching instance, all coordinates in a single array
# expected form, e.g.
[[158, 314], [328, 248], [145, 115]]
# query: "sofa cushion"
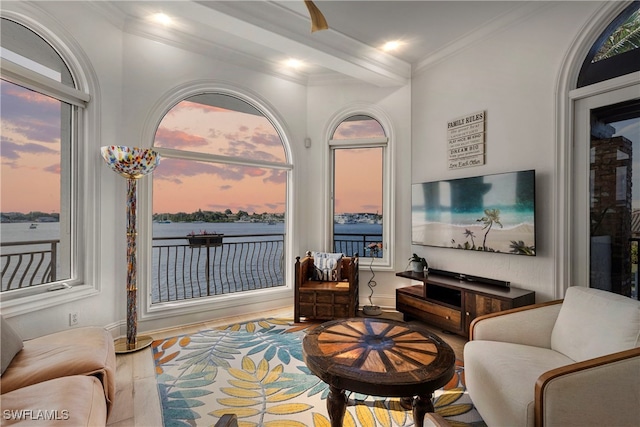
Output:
[[593, 323], [500, 378], [68, 401], [81, 351], [11, 344], [327, 266]]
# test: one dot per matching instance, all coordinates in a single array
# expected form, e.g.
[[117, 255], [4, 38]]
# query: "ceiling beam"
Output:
[[328, 48]]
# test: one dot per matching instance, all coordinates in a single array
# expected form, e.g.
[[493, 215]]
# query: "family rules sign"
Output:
[[465, 139]]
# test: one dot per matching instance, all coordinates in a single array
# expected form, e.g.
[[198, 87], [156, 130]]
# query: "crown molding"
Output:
[[510, 17]]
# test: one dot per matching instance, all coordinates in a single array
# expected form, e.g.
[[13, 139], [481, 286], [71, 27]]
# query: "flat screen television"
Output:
[[491, 213]]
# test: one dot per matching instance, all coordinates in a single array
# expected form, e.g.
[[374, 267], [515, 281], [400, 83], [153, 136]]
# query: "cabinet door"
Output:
[[477, 305]]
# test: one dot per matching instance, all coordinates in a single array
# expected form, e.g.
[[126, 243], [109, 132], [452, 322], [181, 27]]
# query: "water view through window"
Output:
[[34, 196], [358, 154], [219, 202]]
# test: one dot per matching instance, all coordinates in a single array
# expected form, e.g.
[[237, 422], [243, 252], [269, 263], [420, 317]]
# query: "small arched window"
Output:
[[616, 51], [359, 170], [224, 172]]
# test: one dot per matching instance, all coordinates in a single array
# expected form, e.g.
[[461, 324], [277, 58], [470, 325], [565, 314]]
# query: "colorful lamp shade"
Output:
[[132, 163]]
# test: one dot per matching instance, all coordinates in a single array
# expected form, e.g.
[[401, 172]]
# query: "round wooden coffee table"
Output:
[[381, 358]]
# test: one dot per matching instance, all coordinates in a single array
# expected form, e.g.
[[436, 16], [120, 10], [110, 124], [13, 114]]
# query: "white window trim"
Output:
[[386, 262], [566, 97], [85, 192], [29, 79], [598, 95], [149, 312]]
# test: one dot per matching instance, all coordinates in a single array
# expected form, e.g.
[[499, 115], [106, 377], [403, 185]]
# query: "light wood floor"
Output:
[[137, 402]]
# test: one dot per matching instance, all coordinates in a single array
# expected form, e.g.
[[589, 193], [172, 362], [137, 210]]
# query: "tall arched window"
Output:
[[606, 181], [219, 200], [360, 172], [41, 126]]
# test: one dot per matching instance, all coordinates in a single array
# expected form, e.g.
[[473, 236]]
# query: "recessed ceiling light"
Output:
[[392, 45], [162, 18], [294, 63]]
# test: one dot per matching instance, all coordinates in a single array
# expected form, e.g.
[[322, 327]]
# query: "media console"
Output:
[[451, 301]]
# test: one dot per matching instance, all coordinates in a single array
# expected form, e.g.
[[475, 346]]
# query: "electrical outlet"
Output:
[[73, 318]]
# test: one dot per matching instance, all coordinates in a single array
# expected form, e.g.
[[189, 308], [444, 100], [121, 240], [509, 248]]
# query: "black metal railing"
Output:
[[350, 243], [239, 263], [35, 265], [181, 270]]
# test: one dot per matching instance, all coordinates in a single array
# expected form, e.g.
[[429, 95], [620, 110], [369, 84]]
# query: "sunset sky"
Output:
[[30, 151], [30, 155]]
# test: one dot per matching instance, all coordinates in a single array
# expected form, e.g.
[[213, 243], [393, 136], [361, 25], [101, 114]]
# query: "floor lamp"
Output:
[[132, 163]]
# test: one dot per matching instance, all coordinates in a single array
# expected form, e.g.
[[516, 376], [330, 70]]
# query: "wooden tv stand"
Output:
[[452, 304]]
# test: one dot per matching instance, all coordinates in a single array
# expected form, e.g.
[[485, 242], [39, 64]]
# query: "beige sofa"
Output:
[[66, 378], [567, 363]]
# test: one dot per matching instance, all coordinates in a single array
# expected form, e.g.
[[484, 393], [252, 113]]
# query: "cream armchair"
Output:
[[574, 362]]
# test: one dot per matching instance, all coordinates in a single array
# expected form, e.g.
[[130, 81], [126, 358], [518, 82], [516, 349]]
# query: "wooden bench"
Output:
[[323, 299]]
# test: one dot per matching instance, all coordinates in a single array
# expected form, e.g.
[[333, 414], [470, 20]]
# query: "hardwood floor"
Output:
[[137, 403]]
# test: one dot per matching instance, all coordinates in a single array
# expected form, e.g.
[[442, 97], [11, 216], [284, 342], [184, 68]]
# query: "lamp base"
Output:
[[371, 310], [141, 342]]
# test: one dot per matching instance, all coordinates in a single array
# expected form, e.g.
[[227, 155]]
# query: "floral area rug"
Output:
[[255, 370]]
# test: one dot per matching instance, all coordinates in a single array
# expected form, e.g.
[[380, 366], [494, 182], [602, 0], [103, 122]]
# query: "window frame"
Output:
[[158, 311], [384, 263], [83, 190], [615, 66], [566, 167]]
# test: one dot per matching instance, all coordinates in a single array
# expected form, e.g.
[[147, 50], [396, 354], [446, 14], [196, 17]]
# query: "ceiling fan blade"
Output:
[[317, 18]]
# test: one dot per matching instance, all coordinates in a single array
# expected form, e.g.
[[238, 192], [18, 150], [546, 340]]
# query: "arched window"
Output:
[[41, 126], [605, 185], [219, 200], [616, 52], [359, 161]]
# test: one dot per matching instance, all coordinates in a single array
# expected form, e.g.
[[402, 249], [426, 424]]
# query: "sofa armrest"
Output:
[[597, 392], [529, 325]]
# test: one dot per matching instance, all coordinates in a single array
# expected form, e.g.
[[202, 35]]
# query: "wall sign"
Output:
[[466, 144]]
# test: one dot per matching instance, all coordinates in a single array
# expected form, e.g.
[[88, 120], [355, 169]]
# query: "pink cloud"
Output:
[[359, 129], [178, 139]]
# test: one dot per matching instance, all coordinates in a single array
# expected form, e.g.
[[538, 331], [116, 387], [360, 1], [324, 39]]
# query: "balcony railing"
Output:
[[350, 243], [181, 271], [31, 266]]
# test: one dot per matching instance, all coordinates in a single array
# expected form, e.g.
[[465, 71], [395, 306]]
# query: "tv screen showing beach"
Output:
[[492, 213]]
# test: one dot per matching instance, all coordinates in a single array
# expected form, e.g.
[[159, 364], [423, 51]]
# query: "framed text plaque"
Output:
[[466, 142]]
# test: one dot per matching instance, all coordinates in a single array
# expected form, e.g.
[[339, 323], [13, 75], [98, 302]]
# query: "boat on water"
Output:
[[164, 220], [33, 226]]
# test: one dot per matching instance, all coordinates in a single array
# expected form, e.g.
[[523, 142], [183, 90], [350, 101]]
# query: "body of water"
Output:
[[20, 232], [241, 263]]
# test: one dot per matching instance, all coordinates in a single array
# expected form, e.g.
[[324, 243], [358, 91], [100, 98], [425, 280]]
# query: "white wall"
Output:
[[512, 75]]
